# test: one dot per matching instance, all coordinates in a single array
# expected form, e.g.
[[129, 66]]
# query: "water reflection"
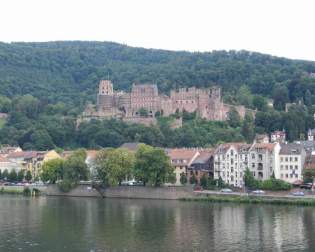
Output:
[[80, 224]]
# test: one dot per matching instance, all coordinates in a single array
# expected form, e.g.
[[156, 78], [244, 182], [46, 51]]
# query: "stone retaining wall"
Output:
[[134, 192]]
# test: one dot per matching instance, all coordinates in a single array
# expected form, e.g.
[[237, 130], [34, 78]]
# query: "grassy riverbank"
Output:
[[8, 190], [254, 200], [19, 191]]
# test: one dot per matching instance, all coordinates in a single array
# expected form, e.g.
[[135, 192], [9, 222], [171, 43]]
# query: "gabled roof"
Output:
[[131, 146], [291, 149], [240, 147], [3, 159], [22, 154], [202, 158], [182, 154], [267, 146]]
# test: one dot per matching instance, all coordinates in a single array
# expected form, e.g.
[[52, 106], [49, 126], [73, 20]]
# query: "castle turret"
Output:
[[105, 98]]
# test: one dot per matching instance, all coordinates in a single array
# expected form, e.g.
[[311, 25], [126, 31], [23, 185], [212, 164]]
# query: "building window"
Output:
[[281, 175], [286, 159], [295, 159], [286, 167], [281, 159], [253, 156], [291, 167], [253, 165], [296, 167], [290, 159], [281, 167]]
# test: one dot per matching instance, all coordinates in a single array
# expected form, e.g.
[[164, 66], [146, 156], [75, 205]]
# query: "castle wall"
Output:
[[206, 102]]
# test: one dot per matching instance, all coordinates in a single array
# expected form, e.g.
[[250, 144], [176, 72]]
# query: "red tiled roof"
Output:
[[22, 154], [186, 154]]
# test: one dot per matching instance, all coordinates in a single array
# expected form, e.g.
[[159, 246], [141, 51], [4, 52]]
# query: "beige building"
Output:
[[181, 159]]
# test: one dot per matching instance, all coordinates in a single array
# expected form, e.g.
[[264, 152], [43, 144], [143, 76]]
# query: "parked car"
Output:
[[258, 192], [132, 183], [299, 193], [226, 190], [306, 186]]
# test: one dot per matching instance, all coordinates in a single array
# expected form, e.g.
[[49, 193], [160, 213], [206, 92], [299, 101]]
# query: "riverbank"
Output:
[[272, 200], [20, 190]]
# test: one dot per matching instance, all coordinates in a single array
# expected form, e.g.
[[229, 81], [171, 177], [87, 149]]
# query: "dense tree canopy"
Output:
[[44, 86]]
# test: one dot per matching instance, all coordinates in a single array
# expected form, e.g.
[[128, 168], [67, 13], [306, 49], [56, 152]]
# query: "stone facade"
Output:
[[207, 103]]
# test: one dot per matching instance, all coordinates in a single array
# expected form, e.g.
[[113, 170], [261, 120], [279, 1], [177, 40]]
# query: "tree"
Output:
[[20, 175], [204, 181], [220, 182], [248, 128], [143, 112], [114, 165], [5, 174], [42, 140], [183, 178], [280, 97], [260, 103], [75, 168], [52, 171], [12, 176], [244, 96], [193, 179], [249, 180], [309, 175], [152, 165], [308, 98], [234, 118], [28, 176]]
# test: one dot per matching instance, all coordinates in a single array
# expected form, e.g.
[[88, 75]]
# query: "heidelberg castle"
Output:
[[207, 103]]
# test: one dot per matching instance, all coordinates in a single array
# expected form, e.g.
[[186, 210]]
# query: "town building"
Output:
[[32, 160], [261, 138], [6, 164], [232, 159], [278, 136], [144, 103], [263, 159], [292, 157], [311, 134], [201, 166], [181, 160], [230, 163], [6, 149]]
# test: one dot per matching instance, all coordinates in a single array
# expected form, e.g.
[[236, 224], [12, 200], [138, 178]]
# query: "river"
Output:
[[90, 224]]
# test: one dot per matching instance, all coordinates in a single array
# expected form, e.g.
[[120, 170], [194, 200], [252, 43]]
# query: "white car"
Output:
[[258, 192], [226, 190]]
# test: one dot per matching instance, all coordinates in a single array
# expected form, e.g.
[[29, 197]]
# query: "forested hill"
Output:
[[70, 71]]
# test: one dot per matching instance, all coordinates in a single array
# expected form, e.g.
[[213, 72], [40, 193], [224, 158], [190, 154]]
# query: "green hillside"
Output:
[[70, 71], [44, 86]]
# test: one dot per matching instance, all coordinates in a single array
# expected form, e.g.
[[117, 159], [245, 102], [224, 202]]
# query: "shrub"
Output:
[[26, 191], [275, 185], [183, 178], [66, 185], [193, 179], [204, 181]]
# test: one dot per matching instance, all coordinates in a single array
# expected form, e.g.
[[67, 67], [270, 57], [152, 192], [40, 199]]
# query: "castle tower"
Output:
[[105, 98], [105, 87]]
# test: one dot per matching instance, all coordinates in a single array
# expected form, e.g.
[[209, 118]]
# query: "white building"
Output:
[[291, 162], [278, 136], [232, 159], [230, 163], [263, 159]]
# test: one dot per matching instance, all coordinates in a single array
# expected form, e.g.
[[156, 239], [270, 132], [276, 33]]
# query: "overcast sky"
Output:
[[278, 27]]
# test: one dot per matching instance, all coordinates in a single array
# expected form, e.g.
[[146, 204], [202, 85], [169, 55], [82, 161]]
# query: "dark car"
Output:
[[306, 186]]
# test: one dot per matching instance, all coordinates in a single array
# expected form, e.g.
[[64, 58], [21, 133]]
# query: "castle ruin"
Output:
[[207, 103]]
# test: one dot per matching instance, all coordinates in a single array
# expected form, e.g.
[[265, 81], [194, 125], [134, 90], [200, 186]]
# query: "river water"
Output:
[[89, 224]]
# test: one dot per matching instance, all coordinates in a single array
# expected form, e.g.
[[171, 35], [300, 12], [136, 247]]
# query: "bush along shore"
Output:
[[254, 200], [20, 191]]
